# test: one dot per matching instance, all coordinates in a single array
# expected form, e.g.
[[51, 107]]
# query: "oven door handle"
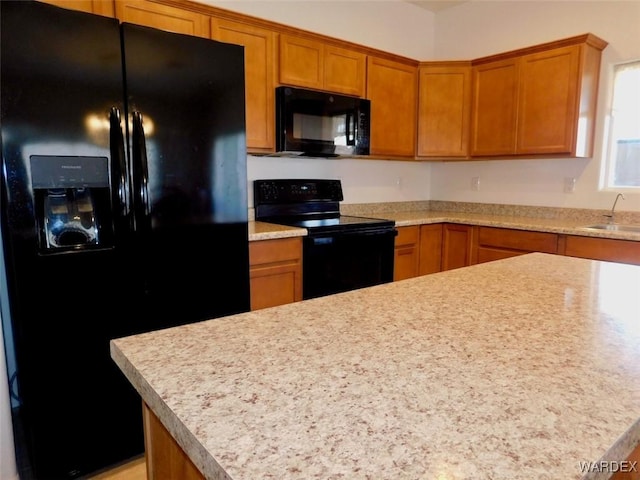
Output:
[[327, 238]]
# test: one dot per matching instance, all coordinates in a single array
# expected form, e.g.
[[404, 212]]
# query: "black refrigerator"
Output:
[[124, 210]]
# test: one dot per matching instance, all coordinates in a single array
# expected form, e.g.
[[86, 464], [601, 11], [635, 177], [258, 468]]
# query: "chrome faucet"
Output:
[[611, 216]]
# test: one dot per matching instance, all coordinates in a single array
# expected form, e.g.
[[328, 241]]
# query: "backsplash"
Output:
[[579, 214]]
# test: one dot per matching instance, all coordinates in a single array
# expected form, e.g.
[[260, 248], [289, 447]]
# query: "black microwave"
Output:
[[321, 124]]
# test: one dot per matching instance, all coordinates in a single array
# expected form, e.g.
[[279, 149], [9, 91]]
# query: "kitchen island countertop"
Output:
[[523, 368]]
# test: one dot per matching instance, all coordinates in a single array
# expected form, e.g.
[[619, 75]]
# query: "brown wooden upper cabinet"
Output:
[[311, 63], [444, 106], [259, 54], [99, 7], [163, 17], [537, 101], [494, 114], [392, 87]]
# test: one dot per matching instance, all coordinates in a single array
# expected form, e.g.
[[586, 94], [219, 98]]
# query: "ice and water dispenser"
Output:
[[72, 202]]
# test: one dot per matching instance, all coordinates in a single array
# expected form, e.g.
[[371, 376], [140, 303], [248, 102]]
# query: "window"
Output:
[[622, 163]]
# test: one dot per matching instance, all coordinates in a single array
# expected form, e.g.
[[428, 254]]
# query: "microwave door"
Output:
[[321, 124]]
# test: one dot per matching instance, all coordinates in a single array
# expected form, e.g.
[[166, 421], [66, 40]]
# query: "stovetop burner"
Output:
[[340, 223], [310, 204]]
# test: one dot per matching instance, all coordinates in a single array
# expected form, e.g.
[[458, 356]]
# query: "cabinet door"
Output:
[[430, 249], [259, 67], [163, 17], [313, 64], [444, 106], [344, 71], [164, 457], [407, 253], [494, 108], [99, 7], [547, 101], [457, 241], [301, 62], [275, 272], [392, 88]]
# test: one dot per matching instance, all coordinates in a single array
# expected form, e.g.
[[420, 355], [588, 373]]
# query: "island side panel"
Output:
[[165, 459]]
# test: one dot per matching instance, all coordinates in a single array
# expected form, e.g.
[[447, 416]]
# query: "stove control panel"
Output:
[[281, 191]]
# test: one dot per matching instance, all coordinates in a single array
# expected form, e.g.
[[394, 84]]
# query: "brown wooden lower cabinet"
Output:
[[439, 247], [495, 243], [418, 251], [457, 245], [275, 270], [608, 249], [630, 473], [430, 249], [165, 459], [406, 253]]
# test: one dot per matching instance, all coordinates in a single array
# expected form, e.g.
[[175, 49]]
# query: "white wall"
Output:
[[470, 30], [481, 28], [389, 25], [363, 181]]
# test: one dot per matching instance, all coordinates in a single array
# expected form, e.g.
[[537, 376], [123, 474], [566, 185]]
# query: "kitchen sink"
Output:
[[615, 227]]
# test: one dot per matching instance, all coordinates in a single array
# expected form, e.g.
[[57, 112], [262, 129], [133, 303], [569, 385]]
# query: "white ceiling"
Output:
[[436, 5]]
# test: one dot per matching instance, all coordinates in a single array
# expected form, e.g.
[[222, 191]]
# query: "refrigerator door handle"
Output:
[[140, 172], [120, 178]]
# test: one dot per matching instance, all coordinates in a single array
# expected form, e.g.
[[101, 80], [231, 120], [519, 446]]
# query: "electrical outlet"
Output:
[[475, 183], [569, 184]]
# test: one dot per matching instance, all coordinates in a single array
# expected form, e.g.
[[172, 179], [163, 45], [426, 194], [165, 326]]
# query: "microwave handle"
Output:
[[351, 129]]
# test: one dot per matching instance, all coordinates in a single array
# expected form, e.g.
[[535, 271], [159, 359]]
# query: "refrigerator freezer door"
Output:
[[61, 77]]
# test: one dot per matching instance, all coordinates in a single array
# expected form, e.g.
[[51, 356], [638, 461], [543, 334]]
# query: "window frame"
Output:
[[608, 166]]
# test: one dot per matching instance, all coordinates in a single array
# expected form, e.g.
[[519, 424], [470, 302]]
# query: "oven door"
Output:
[[343, 261]]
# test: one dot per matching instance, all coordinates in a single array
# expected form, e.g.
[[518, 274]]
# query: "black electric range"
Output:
[[310, 204], [340, 252]]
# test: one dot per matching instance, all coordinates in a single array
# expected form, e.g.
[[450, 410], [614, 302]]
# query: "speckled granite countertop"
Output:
[[552, 225], [514, 369], [270, 231], [542, 219]]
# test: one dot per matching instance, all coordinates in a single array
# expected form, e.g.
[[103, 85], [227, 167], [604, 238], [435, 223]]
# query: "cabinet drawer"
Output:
[[275, 272], [406, 253], [408, 235], [272, 251], [521, 240]]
